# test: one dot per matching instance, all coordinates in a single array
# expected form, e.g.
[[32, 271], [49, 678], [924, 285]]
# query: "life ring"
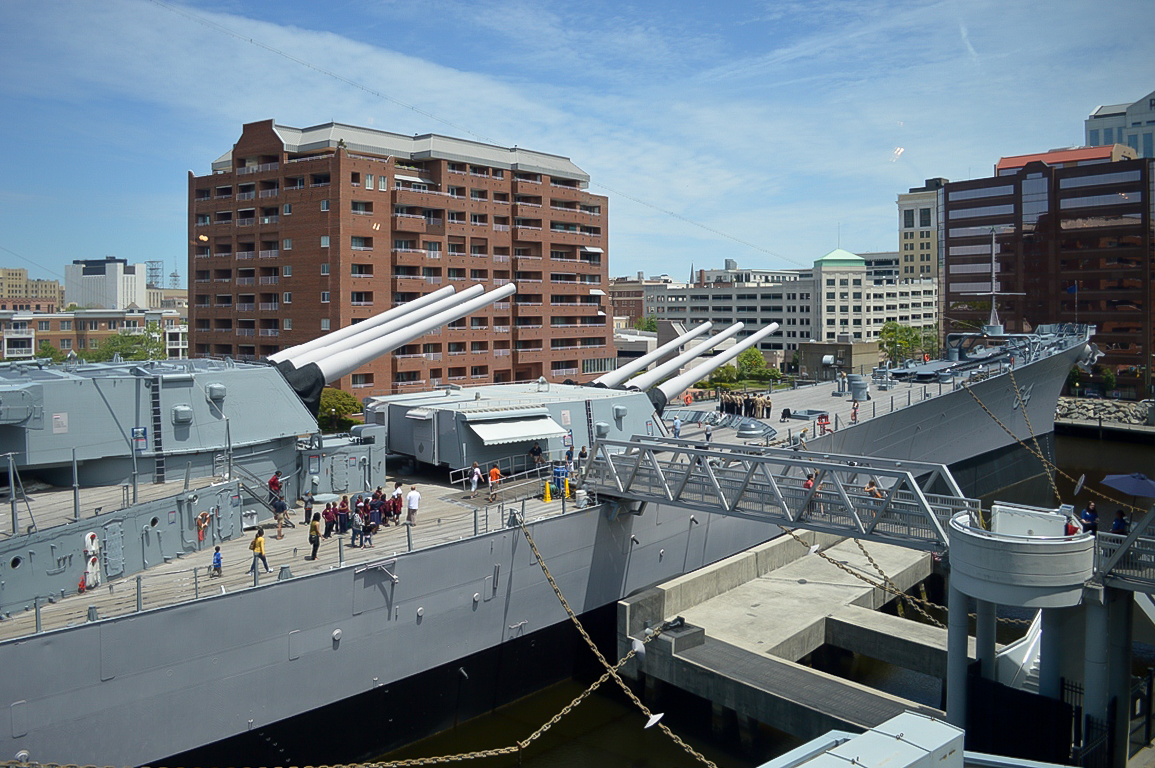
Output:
[[687, 399], [202, 525]]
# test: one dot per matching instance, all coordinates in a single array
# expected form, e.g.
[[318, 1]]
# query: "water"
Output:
[[607, 731]]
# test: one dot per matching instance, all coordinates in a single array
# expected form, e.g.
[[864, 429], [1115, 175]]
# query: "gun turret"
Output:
[[396, 323], [661, 394], [293, 354], [649, 378], [616, 377]]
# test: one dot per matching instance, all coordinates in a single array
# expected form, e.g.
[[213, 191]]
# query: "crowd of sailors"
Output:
[[754, 405]]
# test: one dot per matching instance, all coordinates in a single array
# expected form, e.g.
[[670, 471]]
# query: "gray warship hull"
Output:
[[140, 688]]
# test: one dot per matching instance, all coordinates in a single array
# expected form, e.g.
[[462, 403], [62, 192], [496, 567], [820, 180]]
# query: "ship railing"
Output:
[[512, 468]]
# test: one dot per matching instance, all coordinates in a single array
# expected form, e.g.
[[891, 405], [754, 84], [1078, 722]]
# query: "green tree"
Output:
[[336, 405], [647, 323], [751, 364], [132, 344], [50, 352], [1109, 379], [1073, 378], [727, 374], [898, 341]]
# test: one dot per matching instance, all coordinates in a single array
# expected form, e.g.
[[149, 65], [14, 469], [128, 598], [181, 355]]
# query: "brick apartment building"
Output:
[[297, 232], [1073, 232]]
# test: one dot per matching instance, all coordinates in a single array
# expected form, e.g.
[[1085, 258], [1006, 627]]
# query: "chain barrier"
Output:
[[610, 670], [1047, 463]]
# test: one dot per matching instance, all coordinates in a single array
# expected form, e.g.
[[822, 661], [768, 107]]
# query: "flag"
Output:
[[1073, 289]]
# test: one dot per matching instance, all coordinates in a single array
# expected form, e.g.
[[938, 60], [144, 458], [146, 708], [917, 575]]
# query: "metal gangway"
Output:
[[912, 507]]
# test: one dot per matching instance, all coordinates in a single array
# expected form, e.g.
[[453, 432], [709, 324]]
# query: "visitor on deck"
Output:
[[1090, 518]]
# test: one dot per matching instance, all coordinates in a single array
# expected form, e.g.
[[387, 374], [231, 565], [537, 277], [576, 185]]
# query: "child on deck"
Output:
[[215, 570]]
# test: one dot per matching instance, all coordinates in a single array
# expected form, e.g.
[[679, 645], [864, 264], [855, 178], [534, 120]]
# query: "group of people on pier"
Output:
[[745, 404]]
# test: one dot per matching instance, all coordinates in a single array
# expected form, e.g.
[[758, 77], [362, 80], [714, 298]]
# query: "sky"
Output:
[[765, 132]]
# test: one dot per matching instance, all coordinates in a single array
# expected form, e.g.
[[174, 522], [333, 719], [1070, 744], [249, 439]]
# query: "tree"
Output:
[[336, 405], [50, 352], [751, 364], [727, 374], [647, 323], [132, 344], [898, 341], [1109, 379]]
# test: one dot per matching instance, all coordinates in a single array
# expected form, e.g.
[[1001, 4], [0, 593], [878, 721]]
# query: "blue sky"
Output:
[[772, 125]]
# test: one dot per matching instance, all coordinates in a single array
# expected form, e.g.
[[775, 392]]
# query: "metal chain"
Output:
[[610, 670], [1047, 463], [1034, 438], [908, 599]]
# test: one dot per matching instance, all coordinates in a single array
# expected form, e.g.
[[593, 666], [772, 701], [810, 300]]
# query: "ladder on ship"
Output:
[[157, 422]]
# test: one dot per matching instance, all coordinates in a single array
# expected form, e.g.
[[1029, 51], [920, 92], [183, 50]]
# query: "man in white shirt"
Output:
[[412, 501]]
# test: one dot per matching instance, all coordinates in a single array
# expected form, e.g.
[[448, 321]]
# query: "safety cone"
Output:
[[547, 498]]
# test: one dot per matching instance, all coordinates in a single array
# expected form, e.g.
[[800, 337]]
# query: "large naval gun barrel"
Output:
[[297, 355], [324, 367], [649, 378], [661, 394], [614, 378], [346, 361], [397, 322]]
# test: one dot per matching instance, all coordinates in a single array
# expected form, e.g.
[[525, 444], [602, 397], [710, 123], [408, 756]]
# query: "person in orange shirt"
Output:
[[494, 480]]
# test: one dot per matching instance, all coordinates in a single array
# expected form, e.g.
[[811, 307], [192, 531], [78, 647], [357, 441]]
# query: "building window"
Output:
[[324, 297], [324, 205], [287, 323], [66, 344], [1093, 137], [43, 325], [368, 181], [287, 244], [324, 323], [287, 298], [288, 208], [66, 325], [94, 343], [908, 219], [324, 241], [924, 217], [286, 271], [325, 268], [382, 183]]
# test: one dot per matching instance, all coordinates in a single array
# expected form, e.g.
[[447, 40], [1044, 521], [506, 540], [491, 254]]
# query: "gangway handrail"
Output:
[[768, 485]]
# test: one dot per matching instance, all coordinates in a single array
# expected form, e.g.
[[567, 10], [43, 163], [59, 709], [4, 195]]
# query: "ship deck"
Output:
[[447, 514], [822, 397]]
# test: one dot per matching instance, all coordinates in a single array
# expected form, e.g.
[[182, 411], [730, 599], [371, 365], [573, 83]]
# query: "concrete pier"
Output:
[[752, 617]]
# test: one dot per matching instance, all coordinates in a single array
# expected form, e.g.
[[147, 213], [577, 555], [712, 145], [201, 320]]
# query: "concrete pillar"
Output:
[[1119, 628], [1050, 654], [985, 636], [956, 657], [1095, 653]]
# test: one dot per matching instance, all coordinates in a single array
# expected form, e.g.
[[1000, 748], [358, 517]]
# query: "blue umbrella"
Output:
[[1135, 484]]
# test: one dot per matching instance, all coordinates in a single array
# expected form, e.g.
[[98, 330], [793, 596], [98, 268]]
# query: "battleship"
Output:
[[430, 623]]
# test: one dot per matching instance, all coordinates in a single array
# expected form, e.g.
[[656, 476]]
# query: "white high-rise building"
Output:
[[108, 283], [1130, 124]]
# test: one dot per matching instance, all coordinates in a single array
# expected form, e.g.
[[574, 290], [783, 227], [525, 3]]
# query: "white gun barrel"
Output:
[[649, 378], [678, 383], [397, 323], [616, 377], [343, 363], [299, 350]]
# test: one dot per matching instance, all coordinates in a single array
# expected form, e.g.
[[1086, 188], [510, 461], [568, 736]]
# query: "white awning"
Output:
[[420, 414], [586, 248], [414, 180], [597, 292], [520, 431]]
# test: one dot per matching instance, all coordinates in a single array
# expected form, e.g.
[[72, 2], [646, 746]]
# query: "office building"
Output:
[[1130, 124], [844, 294], [297, 232], [628, 295], [1072, 232], [918, 230], [19, 293], [108, 283], [86, 330]]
